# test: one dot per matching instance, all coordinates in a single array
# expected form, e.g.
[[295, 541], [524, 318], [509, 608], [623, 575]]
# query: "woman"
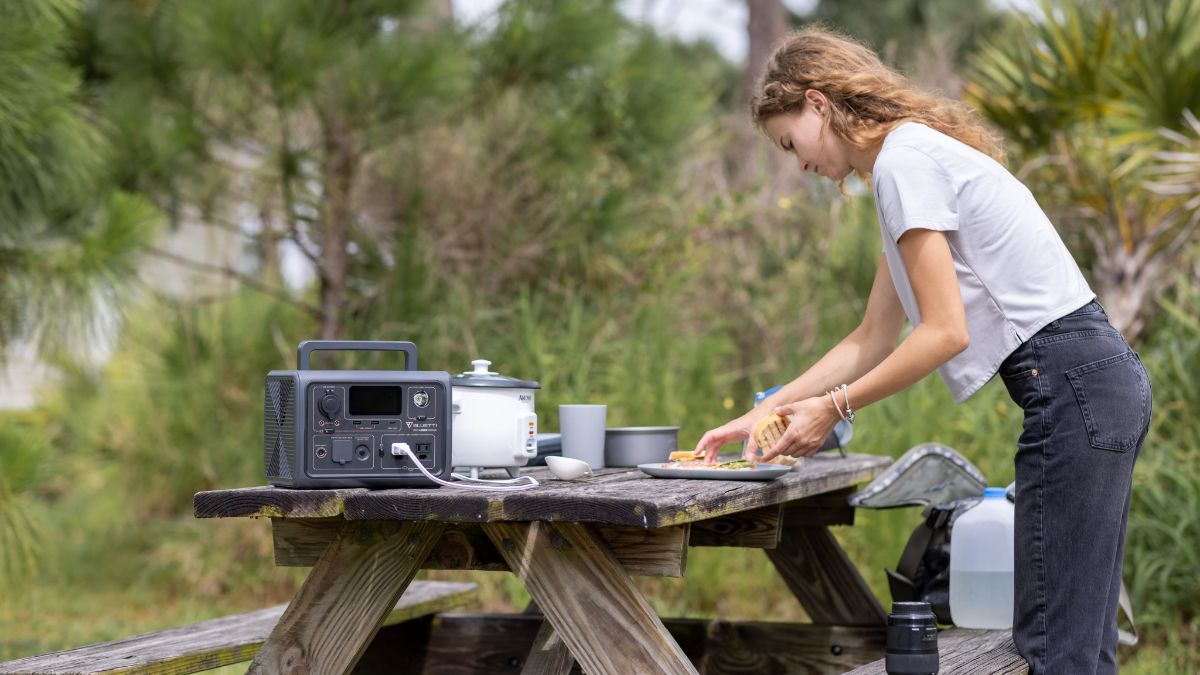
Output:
[[981, 274]]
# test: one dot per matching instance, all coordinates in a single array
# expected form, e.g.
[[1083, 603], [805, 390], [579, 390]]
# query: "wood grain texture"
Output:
[[219, 642], [485, 644], [345, 598], [266, 501], [969, 652], [613, 497], [830, 508], [823, 579], [758, 528], [548, 655], [588, 597], [661, 552]]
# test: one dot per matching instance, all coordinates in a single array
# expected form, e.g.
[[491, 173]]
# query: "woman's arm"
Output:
[[940, 335], [857, 353]]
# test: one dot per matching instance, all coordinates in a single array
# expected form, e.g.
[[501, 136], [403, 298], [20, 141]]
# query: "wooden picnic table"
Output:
[[574, 545]]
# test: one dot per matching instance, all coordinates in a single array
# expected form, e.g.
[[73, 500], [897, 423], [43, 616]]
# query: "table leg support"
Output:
[[821, 576], [549, 654], [588, 598], [346, 597]]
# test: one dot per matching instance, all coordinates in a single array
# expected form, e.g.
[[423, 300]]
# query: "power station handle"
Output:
[[309, 346]]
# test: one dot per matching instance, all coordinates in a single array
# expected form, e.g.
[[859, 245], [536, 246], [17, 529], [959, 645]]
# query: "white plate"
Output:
[[761, 472]]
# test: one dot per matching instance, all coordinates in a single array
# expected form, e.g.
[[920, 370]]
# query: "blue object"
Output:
[[995, 493], [758, 398]]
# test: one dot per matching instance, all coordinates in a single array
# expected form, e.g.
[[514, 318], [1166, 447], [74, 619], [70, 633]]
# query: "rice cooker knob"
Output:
[[329, 405], [481, 367]]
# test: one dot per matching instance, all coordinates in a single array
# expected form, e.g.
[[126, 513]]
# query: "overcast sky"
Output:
[[722, 22]]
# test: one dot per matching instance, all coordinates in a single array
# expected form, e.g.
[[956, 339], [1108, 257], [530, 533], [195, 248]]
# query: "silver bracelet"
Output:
[[849, 411]]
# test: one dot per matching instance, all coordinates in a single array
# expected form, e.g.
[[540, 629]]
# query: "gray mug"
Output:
[[582, 427]]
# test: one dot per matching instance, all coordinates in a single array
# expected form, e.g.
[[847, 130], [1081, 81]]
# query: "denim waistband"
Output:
[[1086, 321], [1091, 313]]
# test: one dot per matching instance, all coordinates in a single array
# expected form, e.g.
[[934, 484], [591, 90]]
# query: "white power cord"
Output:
[[501, 485]]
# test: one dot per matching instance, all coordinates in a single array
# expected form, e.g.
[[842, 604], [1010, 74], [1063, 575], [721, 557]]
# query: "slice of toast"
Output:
[[768, 431], [681, 455]]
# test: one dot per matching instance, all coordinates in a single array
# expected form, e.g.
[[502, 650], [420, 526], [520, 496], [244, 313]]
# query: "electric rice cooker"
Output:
[[495, 425]]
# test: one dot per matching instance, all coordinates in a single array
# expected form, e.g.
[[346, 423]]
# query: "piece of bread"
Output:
[[768, 431], [680, 455]]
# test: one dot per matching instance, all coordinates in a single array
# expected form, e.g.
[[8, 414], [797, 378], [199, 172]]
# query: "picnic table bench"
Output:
[[224, 641], [965, 651]]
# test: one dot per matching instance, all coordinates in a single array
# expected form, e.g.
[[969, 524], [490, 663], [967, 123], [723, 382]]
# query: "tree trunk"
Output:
[[340, 163], [768, 24], [1125, 283]]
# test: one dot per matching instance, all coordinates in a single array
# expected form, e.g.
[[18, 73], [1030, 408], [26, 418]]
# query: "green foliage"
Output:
[[24, 451], [1120, 70], [1083, 92], [1164, 559], [68, 241], [176, 407], [47, 163]]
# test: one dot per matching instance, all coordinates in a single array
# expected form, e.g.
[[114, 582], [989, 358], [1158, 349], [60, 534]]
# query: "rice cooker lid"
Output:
[[482, 377]]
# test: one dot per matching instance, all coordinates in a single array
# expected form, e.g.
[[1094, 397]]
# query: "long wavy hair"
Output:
[[867, 98]]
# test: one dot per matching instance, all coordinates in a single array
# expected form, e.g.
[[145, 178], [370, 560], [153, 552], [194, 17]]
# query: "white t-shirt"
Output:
[[1014, 271]]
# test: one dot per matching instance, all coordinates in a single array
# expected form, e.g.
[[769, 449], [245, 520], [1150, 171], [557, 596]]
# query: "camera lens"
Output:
[[911, 640]]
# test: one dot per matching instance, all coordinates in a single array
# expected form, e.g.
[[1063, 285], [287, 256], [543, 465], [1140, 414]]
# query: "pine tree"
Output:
[[69, 241]]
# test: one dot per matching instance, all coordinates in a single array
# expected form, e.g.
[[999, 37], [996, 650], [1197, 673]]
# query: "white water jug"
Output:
[[981, 564]]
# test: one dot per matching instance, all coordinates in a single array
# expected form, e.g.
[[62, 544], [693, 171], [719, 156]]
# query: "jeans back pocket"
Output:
[[1112, 395]]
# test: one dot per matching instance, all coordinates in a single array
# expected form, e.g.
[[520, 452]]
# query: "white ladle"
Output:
[[566, 468]]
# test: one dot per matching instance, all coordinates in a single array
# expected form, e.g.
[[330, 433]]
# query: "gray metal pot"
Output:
[[630, 446]]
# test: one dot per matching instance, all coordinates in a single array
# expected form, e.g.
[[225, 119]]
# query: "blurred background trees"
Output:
[[559, 188], [1084, 99]]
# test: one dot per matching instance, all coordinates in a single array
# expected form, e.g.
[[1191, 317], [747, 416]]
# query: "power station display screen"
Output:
[[375, 400]]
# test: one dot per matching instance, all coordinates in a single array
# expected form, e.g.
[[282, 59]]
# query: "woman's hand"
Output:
[[730, 432], [812, 420]]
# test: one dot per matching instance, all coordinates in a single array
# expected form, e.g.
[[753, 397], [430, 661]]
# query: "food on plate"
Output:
[[701, 464], [681, 455]]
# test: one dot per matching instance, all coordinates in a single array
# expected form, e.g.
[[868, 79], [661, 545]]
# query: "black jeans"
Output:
[[1086, 398]]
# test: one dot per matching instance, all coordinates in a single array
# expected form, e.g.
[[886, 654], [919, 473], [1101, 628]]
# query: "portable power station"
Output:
[[340, 428]]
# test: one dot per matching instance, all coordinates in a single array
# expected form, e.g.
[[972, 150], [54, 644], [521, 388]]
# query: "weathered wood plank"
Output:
[[271, 502], [661, 552], [758, 528], [549, 654], [300, 542], [614, 497], [969, 652], [219, 642], [830, 508], [588, 597], [345, 598], [823, 579], [486, 644]]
